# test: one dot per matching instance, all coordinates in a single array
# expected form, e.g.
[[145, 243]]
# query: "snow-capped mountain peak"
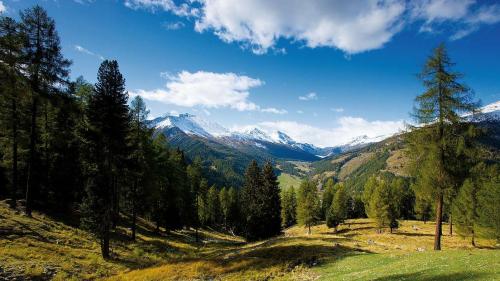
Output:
[[283, 138], [191, 124]]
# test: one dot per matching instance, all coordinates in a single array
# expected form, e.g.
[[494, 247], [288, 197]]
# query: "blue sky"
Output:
[[248, 62]]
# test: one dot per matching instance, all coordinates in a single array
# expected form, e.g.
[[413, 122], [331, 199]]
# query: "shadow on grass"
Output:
[[412, 234], [421, 276]]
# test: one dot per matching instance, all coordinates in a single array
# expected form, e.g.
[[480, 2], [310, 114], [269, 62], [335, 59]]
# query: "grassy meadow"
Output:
[[44, 248]]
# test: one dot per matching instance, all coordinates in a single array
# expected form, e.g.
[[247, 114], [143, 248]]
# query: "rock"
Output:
[[419, 249]]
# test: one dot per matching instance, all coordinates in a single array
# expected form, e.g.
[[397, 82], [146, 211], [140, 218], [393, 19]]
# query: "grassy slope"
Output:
[[356, 252], [286, 181]]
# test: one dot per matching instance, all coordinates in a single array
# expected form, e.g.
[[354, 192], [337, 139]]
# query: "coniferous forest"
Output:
[[86, 156]]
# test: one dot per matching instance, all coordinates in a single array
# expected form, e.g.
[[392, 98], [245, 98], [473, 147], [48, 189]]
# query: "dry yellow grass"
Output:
[[33, 245], [353, 164]]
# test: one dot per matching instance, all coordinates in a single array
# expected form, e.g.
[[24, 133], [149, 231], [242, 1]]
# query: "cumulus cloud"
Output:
[[347, 129], [309, 96], [353, 26], [87, 52], [2, 7], [207, 90]]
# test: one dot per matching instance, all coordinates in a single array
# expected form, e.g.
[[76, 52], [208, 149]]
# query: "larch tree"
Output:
[[327, 197], [252, 200], [288, 207], [46, 70], [12, 89], [439, 111], [308, 205]]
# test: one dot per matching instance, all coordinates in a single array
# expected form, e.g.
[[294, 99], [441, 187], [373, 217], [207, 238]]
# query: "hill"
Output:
[[354, 167], [45, 248]]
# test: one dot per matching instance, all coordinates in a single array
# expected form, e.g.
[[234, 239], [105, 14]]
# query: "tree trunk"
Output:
[[451, 225], [105, 245], [309, 229], [439, 221], [13, 203], [473, 240], [31, 163], [134, 211]]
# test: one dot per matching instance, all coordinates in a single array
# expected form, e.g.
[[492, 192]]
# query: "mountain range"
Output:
[[227, 152]]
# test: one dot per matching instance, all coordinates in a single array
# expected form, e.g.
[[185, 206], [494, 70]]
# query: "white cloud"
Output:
[[310, 96], [2, 7], [274, 110], [183, 9], [352, 26], [88, 52], [338, 109], [300, 112], [347, 129], [173, 25], [466, 16], [207, 90]]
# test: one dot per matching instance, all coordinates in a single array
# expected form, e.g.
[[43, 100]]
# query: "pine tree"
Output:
[[272, 201], [138, 141], [488, 198], [465, 209], [194, 173], [327, 197], [234, 215], [382, 202], [213, 206], [253, 203], [433, 146], [46, 70], [203, 212], [337, 212], [288, 207], [12, 93], [225, 205], [108, 124], [308, 205]]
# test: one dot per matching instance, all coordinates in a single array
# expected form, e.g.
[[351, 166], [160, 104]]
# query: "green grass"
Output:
[[286, 181], [445, 265], [30, 246]]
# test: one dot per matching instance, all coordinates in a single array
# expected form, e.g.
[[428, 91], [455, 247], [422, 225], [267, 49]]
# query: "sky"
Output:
[[322, 71]]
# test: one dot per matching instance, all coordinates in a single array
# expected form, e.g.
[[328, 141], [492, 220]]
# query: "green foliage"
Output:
[[382, 201], [308, 204], [488, 197], [338, 210], [327, 198], [288, 207], [442, 150], [213, 206], [261, 202]]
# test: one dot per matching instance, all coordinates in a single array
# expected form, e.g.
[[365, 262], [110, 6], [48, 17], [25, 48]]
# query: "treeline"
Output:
[[80, 149]]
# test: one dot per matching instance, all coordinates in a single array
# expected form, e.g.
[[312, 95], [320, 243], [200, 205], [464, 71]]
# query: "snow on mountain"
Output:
[[191, 124], [283, 138], [490, 112]]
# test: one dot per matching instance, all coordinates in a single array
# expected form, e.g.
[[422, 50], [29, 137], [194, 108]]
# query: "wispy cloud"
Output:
[[309, 96], [337, 109], [208, 90], [88, 52], [173, 25], [2, 7]]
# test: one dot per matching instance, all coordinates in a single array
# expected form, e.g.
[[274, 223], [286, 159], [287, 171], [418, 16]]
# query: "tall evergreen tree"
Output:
[[213, 206], [308, 205], [194, 173], [139, 141], [488, 198], [12, 89], [337, 212], [288, 207], [108, 125], [327, 198], [432, 146], [252, 200], [272, 201], [46, 70]]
